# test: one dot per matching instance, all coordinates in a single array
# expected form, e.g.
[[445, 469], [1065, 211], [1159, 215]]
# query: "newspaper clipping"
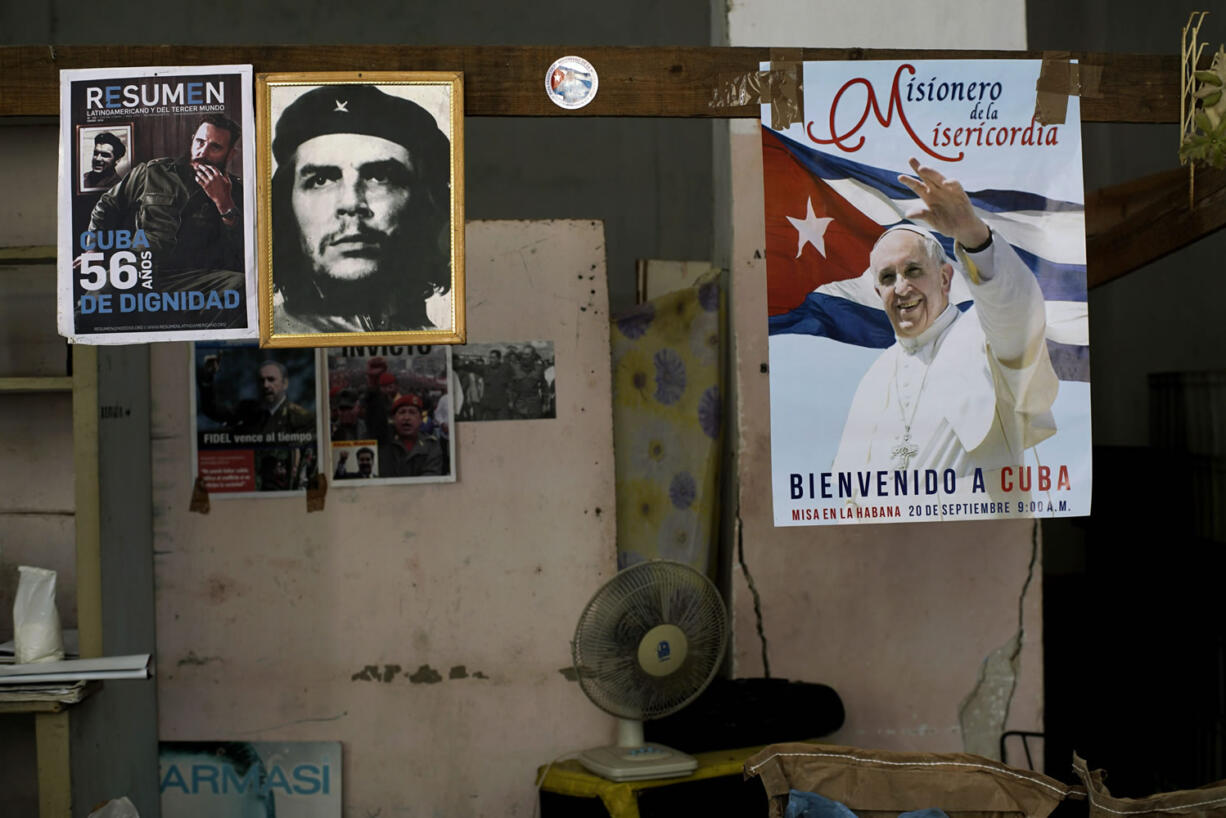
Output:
[[392, 409], [156, 223], [507, 380], [928, 330], [257, 432]]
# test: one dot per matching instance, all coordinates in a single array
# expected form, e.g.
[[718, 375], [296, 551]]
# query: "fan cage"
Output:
[[618, 616]]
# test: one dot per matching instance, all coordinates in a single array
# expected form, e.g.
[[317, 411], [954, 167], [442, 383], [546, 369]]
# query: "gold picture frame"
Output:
[[361, 235]]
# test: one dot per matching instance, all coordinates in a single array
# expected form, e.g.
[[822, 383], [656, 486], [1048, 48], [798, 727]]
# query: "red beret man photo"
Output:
[[405, 451]]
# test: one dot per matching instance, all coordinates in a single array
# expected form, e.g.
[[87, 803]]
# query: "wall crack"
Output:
[[984, 712], [753, 590]]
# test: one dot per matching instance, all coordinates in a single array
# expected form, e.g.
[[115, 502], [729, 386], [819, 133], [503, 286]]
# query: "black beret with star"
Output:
[[357, 109]]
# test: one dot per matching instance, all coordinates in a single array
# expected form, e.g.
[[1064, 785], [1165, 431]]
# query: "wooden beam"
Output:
[[86, 499], [39, 706], [53, 746], [49, 383], [27, 254], [509, 80], [1135, 223], [691, 82]]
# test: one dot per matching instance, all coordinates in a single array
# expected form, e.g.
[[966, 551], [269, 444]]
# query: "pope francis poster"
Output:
[[925, 245]]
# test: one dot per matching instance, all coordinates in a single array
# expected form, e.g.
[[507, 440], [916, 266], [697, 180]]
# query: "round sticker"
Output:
[[571, 82]]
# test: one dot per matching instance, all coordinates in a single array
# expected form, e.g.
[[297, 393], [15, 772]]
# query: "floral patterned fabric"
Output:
[[667, 426]]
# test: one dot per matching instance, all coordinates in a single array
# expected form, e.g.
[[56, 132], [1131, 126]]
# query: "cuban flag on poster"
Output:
[[832, 188]]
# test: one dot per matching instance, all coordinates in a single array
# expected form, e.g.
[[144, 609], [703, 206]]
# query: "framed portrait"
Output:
[[104, 156], [361, 224]]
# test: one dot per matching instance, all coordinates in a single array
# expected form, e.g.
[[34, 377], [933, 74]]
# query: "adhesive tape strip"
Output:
[[780, 87], [1059, 79]]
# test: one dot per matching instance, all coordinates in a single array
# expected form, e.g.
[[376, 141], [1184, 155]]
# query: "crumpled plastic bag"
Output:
[[1207, 801], [883, 783], [36, 621], [117, 808]]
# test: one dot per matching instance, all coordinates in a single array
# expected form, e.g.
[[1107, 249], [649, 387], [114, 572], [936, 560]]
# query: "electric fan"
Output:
[[649, 641]]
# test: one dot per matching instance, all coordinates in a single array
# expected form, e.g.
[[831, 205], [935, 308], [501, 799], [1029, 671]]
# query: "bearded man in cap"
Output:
[[497, 376], [957, 390], [349, 425], [273, 412], [360, 213], [189, 207]]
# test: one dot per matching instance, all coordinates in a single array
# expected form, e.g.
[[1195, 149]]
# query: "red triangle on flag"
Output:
[[846, 238]]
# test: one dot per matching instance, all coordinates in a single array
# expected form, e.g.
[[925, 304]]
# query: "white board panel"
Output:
[[426, 626]]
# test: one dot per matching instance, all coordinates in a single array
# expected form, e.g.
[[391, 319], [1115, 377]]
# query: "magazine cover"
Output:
[[391, 410], [156, 224], [244, 779], [256, 431], [928, 331]]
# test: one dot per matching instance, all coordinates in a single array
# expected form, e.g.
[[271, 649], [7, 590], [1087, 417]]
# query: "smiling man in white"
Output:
[[957, 390]]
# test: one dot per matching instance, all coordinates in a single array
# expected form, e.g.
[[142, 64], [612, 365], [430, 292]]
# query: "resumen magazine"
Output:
[[156, 205]]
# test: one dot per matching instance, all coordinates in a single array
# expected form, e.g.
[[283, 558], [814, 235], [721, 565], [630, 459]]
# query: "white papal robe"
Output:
[[974, 390]]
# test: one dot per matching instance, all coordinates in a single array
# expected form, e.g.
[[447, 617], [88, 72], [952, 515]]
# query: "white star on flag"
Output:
[[811, 230]]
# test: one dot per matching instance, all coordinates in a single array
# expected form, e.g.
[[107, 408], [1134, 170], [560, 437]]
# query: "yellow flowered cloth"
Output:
[[667, 426]]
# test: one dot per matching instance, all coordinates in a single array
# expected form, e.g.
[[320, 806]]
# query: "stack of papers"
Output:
[[68, 694], [66, 680]]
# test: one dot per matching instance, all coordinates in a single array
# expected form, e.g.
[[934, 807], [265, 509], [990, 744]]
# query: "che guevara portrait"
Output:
[[362, 231]]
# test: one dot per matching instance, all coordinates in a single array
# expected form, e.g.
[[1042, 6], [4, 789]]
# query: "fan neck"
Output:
[[629, 733]]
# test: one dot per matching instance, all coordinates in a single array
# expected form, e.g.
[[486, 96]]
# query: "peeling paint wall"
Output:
[[931, 634], [36, 470], [36, 488], [422, 626]]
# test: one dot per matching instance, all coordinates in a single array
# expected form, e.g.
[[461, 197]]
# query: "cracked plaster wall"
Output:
[[931, 633]]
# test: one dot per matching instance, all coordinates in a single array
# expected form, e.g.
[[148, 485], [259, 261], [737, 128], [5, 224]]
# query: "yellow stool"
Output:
[[620, 798]]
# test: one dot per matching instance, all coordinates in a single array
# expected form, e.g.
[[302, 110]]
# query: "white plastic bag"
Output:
[[118, 808], [36, 621]]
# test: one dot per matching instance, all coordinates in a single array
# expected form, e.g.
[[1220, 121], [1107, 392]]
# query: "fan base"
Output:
[[639, 763]]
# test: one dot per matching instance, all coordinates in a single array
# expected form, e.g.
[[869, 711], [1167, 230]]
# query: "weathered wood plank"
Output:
[[1137, 222], [53, 744], [40, 706], [28, 254], [509, 80], [36, 384]]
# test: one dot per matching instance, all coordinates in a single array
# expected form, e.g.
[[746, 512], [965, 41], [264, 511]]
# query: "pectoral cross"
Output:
[[904, 451]]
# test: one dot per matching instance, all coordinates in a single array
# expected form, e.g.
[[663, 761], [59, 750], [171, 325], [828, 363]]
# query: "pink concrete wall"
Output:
[[36, 487], [902, 620]]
